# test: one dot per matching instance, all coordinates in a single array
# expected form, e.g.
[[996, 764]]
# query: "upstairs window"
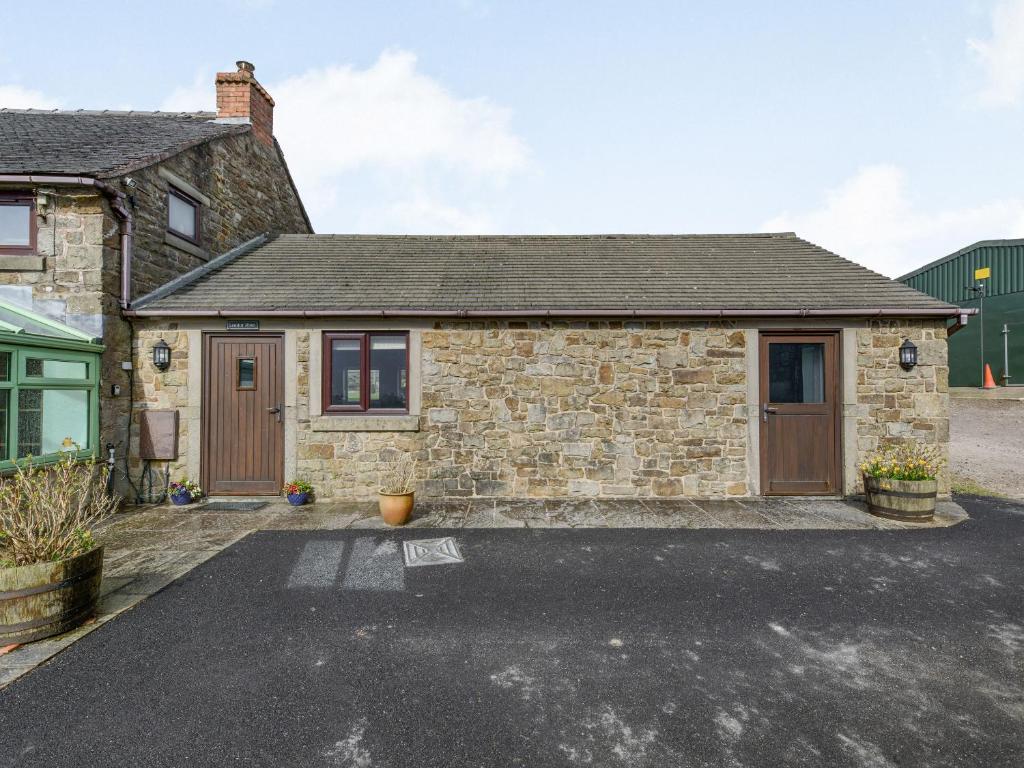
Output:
[[17, 223], [366, 372], [182, 215]]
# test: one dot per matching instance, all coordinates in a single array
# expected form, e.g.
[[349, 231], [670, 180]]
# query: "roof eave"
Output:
[[859, 312]]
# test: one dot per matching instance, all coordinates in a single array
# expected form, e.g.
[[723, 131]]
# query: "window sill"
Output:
[[12, 262], [184, 245], [365, 423]]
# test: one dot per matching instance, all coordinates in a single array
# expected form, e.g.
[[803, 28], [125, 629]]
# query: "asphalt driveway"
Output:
[[556, 647]]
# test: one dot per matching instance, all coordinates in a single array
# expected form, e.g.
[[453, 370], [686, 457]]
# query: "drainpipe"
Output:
[[118, 203]]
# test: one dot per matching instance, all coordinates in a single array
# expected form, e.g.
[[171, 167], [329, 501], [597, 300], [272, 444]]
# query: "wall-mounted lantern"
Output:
[[161, 356], [908, 355]]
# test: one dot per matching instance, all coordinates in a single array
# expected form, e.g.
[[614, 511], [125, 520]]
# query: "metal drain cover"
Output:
[[231, 506], [431, 551]]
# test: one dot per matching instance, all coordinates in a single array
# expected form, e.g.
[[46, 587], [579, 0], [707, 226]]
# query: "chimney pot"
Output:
[[245, 66]]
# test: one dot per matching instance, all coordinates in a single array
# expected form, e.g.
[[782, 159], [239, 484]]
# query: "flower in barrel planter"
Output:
[[298, 492], [901, 481], [50, 564], [184, 491]]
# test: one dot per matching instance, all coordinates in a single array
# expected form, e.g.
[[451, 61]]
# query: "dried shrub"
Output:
[[396, 475], [47, 513]]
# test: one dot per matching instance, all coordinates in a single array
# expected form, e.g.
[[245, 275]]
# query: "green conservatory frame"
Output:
[[40, 359]]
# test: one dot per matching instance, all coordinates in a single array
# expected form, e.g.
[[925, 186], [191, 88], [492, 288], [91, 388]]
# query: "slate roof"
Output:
[[100, 144], [484, 275]]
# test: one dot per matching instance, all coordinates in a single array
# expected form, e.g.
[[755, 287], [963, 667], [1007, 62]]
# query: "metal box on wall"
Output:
[[158, 435]]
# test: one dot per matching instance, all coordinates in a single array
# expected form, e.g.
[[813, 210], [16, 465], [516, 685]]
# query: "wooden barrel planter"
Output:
[[45, 599], [908, 500]]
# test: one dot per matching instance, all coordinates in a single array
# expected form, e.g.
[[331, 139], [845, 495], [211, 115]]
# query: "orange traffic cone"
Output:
[[990, 383]]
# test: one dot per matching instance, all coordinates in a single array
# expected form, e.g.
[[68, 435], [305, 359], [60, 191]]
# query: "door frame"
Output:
[[204, 406], [764, 336]]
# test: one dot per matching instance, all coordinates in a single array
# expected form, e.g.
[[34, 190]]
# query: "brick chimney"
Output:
[[240, 97]]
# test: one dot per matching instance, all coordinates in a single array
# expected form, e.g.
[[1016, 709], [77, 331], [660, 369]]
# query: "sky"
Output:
[[889, 132]]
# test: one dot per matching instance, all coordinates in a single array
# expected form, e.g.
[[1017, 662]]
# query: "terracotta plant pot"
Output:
[[907, 500], [45, 599], [395, 508]]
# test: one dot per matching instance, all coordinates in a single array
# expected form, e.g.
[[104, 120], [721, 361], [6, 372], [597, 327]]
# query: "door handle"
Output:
[[766, 409], [275, 409]]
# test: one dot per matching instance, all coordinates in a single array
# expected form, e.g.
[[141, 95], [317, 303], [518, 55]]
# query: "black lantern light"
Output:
[[908, 355], [161, 356]]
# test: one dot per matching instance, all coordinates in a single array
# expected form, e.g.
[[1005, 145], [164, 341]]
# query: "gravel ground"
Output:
[[987, 445]]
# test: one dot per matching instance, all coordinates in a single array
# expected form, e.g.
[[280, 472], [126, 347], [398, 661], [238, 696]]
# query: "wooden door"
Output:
[[799, 414], [243, 414]]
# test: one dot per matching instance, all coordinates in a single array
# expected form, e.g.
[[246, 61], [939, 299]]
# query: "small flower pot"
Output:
[[181, 499], [907, 500], [46, 599], [298, 499], [395, 508]]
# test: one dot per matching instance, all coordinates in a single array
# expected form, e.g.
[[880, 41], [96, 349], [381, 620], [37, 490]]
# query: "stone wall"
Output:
[[169, 390], [559, 409], [64, 280], [249, 193], [75, 277], [562, 409], [902, 406]]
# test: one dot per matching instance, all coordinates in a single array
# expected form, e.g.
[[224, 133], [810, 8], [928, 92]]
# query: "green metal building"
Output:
[[961, 279]]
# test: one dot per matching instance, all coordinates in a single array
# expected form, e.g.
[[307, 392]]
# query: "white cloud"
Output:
[[17, 97], [199, 96], [422, 214], [393, 127], [871, 219], [390, 116], [1002, 55]]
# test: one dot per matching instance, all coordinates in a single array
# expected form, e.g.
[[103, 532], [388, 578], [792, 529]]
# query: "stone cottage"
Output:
[[598, 366], [99, 207]]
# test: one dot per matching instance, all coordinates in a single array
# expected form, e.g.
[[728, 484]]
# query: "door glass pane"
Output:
[[51, 420], [346, 359], [181, 216], [5, 366], [15, 224], [56, 369], [796, 373], [387, 372], [246, 373]]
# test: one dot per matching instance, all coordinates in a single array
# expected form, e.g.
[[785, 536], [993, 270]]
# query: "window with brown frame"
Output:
[[182, 215], [246, 378], [17, 223], [366, 372]]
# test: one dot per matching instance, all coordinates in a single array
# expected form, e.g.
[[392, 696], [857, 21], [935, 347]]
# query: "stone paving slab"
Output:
[[149, 547]]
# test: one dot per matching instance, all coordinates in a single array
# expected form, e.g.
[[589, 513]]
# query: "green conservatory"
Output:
[[49, 387]]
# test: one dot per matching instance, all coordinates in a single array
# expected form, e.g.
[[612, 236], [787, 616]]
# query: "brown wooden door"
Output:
[[243, 414], [799, 414]]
